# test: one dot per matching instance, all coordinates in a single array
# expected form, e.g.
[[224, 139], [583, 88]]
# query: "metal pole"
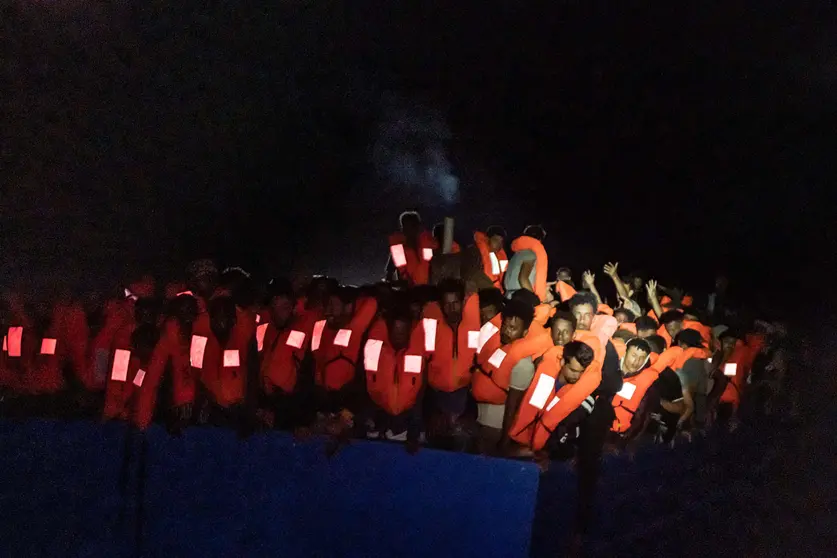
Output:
[[447, 241]]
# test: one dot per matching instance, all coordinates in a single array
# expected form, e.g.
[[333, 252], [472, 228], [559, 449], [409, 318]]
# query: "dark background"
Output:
[[679, 140]]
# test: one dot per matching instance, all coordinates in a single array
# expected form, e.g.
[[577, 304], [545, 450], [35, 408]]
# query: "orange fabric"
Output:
[[740, 356], [334, 365], [688, 300], [604, 309], [118, 314], [565, 291], [626, 402], [604, 327], [416, 270], [122, 397], [481, 242], [453, 352], [283, 353], [490, 383], [143, 288], [661, 331], [629, 326], [492, 343], [394, 378], [541, 265], [704, 330], [437, 247], [620, 346]]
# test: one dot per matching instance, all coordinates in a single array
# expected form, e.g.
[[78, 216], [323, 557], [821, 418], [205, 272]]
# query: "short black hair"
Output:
[[518, 309], [563, 315], [646, 322], [491, 297], [657, 343], [451, 285], [409, 216], [535, 231], [495, 230], [689, 337], [579, 351], [281, 287], [671, 316], [641, 344], [624, 334], [527, 297], [628, 313], [584, 297], [347, 295]]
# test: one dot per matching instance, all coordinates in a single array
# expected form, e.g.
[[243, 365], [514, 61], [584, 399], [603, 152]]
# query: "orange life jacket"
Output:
[[118, 313], [394, 377], [704, 330], [539, 336], [489, 339], [223, 369], [45, 371], [451, 352], [627, 400], [541, 262], [629, 326], [126, 378], [620, 346], [494, 264], [604, 309], [20, 347], [542, 408], [490, 383], [282, 354], [565, 290], [412, 267], [336, 352]]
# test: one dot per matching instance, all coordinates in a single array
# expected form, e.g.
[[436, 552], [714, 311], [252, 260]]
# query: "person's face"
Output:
[[495, 243], [643, 333], [571, 370], [487, 313], [511, 330], [721, 283], [281, 311], [562, 332], [673, 328], [222, 319], [337, 313], [621, 317], [637, 283], [399, 334], [584, 314], [452, 307], [412, 228], [564, 276], [728, 345], [634, 359]]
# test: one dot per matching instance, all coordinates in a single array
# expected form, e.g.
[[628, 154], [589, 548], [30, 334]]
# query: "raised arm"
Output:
[[611, 270], [589, 281], [651, 288]]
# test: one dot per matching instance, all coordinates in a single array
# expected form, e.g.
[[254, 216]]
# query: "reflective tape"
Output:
[[260, 332], [317, 335], [231, 358], [295, 339], [543, 389], [196, 351], [627, 391], [139, 377], [372, 354], [119, 372], [473, 339], [503, 265], [412, 364], [258, 318], [429, 325], [730, 369], [398, 256], [497, 358], [427, 254], [487, 331], [15, 336], [495, 263], [552, 403], [343, 337], [48, 346]]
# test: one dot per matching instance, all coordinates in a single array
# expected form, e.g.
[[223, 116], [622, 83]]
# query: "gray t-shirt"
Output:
[[693, 375], [510, 280], [521, 376]]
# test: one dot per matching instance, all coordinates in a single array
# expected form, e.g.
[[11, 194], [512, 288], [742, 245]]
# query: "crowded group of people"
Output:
[[467, 348]]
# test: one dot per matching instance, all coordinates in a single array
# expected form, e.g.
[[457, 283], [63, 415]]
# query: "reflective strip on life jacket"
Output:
[[486, 332], [730, 369], [543, 389], [503, 265], [412, 364], [119, 372], [260, 331], [495, 263], [15, 336], [139, 377], [295, 339], [185, 293], [497, 358], [473, 339], [398, 256], [196, 350], [627, 391], [231, 358], [372, 354], [48, 346], [429, 325], [317, 335], [427, 254], [343, 337], [258, 318], [552, 403]]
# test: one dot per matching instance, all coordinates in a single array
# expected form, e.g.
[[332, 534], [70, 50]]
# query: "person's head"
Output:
[[562, 328], [280, 302], [410, 223], [623, 315], [418, 297], [496, 238], [451, 297], [146, 311], [688, 339], [577, 357], [637, 282], [583, 305], [491, 304], [202, 278], [624, 334], [637, 353], [564, 274], [319, 290], [222, 317], [728, 340], [399, 326], [672, 320], [527, 297], [645, 327], [657, 343], [517, 317], [240, 285], [535, 231], [340, 307]]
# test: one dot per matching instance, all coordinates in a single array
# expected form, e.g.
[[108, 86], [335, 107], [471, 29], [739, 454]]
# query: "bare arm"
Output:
[[689, 404], [610, 270], [523, 277], [651, 287], [590, 282]]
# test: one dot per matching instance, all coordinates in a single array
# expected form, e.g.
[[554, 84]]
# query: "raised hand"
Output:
[[610, 269], [651, 289], [588, 279]]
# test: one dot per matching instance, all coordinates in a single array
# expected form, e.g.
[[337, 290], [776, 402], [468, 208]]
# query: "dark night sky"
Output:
[[675, 139]]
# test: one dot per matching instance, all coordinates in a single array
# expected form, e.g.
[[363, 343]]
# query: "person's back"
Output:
[[511, 281]]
